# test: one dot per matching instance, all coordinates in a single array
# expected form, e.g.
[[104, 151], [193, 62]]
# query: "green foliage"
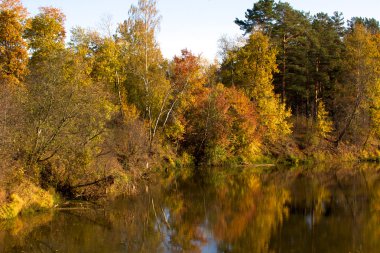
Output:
[[309, 54], [320, 60]]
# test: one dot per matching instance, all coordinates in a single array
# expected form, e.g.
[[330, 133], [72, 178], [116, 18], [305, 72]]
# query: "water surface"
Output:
[[236, 210]]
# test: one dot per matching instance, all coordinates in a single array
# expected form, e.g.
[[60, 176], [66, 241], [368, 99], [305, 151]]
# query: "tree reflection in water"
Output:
[[240, 210], [235, 211]]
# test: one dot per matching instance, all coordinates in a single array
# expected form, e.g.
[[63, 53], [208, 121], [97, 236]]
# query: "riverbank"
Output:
[[19, 195], [247, 209], [26, 197]]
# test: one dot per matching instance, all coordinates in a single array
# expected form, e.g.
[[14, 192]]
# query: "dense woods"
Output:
[[108, 109]]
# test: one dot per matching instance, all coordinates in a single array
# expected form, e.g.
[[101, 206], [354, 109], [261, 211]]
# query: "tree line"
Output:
[[294, 85], [327, 69]]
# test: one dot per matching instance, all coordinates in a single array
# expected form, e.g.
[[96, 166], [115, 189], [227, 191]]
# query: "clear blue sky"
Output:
[[193, 24]]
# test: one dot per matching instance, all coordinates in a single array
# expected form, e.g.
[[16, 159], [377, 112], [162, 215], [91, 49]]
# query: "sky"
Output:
[[193, 24]]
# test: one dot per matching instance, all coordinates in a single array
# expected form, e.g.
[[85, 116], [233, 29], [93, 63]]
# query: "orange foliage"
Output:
[[13, 52], [15, 6], [221, 125]]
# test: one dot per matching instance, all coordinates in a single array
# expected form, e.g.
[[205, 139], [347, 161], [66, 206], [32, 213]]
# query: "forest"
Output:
[[90, 117]]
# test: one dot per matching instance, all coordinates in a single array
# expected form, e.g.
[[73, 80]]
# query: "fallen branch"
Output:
[[109, 180]]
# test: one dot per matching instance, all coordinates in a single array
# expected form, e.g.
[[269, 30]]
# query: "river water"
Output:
[[220, 210]]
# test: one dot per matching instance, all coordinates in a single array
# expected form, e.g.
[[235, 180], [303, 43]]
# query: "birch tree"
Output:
[[146, 84]]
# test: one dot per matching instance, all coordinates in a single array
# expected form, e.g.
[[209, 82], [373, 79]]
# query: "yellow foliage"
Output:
[[26, 196], [324, 123], [131, 113], [253, 68], [12, 209], [254, 183], [121, 184], [375, 108]]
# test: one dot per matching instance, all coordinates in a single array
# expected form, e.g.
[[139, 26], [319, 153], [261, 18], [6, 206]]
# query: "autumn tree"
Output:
[[324, 124], [108, 63], [106, 58], [128, 139], [146, 83], [187, 79], [46, 33], [221, 127], [254, 66], [85, 43], [13, 48], [13, 68], [65, 117], [110, 67], [357, 103]]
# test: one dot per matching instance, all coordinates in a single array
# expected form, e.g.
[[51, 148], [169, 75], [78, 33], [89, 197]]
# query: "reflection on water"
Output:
[[334, 210]]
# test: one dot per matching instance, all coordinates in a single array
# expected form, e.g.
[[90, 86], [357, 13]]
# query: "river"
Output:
[[220, 210]]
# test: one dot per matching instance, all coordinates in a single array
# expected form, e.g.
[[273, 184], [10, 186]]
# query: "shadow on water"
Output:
[[237, 210]]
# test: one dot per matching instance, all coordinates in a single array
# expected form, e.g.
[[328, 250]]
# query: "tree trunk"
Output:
[[349, 121], [283, 71]]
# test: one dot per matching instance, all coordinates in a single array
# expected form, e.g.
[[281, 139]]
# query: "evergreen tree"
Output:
[[325, 59]]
